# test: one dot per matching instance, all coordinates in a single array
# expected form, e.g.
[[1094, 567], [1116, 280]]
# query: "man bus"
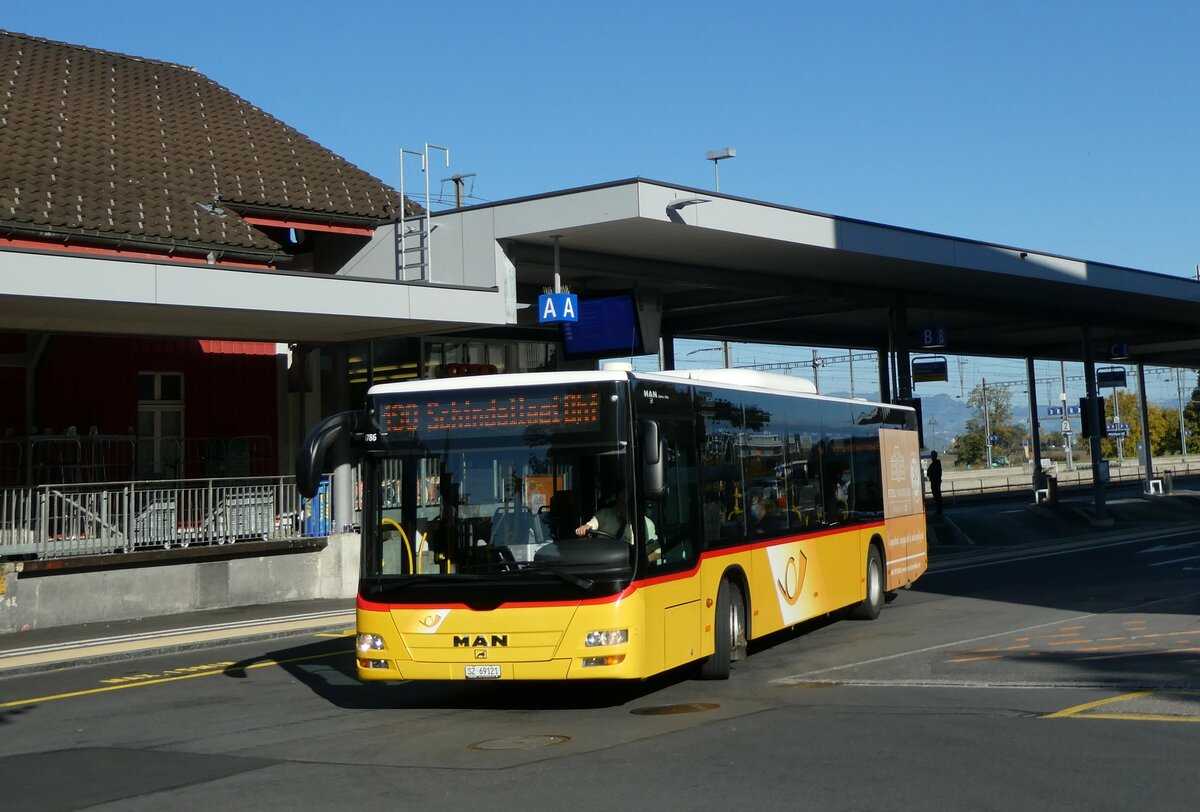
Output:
[[738, 521]]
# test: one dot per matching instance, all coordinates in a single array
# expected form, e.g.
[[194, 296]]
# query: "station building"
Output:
[[188, 283]]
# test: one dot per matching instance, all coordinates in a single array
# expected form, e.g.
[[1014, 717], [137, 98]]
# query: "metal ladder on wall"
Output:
[[414, 251]]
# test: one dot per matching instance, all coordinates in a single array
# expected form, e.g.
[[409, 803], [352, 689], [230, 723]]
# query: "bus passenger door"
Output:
[[672, 517]]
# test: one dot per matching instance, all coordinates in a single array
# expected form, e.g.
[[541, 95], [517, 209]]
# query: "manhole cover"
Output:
[[668, 710], [520, 742]]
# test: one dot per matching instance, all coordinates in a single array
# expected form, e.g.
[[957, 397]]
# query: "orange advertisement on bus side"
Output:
[[903, 506]]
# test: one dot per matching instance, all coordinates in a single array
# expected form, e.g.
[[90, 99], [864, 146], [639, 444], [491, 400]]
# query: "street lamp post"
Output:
[[1062, 374], [716, 156], [1182, 432], [987, 426], [1117, 422]]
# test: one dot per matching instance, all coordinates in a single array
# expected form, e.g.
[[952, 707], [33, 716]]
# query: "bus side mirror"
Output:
[[312, 457], [654, 459]]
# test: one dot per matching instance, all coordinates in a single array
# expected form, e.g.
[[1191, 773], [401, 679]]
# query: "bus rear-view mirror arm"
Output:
[[311, 459]]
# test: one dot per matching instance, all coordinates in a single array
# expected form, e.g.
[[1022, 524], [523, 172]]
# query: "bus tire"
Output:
[[729, 632], [872, 605]]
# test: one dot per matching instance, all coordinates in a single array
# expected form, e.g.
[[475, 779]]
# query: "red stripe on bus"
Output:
[[372, 606]]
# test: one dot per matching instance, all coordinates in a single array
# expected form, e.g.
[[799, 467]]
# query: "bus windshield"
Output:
[[515, 485]]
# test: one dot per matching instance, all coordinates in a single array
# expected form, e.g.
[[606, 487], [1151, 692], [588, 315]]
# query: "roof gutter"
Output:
[[275, 214], [59, 239]]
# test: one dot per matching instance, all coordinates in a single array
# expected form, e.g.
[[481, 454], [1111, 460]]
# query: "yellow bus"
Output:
[[617, 524]]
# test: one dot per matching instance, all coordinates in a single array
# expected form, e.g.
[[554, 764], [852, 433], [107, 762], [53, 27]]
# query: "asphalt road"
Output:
[[1063, 681]]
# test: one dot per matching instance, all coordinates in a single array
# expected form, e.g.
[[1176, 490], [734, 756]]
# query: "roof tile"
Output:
[[115, 144]]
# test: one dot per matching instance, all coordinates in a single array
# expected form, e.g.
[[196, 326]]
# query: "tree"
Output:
[[1123, 408], [1164, 426], [971, 445]]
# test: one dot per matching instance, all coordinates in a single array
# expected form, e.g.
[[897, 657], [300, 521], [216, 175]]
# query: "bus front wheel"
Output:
[[870, 608], [729, 632]]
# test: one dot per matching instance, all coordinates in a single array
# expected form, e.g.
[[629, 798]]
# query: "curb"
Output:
[[54, 656]]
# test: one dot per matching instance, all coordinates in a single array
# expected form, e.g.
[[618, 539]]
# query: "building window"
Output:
[[160, 425]]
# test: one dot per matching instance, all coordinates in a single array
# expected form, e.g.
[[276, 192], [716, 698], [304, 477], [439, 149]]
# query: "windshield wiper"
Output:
[[393, 581]]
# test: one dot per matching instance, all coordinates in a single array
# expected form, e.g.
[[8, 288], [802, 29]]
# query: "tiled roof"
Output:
[[117, 147]]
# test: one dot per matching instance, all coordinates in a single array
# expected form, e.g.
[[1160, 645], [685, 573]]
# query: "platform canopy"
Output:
[[734, 269]]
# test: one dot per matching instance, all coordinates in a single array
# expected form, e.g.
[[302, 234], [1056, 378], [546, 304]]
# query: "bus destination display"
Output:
[[574, 410]]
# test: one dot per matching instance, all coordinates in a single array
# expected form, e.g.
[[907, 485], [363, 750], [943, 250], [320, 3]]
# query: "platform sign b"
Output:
[[932, 337]]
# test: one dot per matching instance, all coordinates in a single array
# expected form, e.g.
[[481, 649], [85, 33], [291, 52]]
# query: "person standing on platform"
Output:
[[934, 472]]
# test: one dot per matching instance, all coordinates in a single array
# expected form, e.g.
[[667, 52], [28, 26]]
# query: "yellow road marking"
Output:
[[191, 669], [1142, 717], [1117, 648], [89, 691], [1164, 634], [973, 659], [1080, 711], [1062, 714]]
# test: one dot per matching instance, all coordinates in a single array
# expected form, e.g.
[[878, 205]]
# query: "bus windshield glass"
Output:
[[490, 486]]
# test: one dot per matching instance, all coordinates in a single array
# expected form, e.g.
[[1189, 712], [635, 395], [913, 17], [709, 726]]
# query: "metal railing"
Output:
[[1002, 480], [54, 521], [45, 459]]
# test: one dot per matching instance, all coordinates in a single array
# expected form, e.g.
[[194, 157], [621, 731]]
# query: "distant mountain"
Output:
[[945, 418]]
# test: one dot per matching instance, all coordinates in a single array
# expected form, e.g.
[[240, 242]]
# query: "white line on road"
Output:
[[807, 675], [1069, 551], [1174, 561], [1163, 548]]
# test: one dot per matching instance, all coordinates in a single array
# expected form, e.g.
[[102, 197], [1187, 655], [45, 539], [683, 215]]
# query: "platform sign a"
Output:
[[558, 307]]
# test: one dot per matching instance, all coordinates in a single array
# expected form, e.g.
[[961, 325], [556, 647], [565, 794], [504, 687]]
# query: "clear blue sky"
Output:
[[1068, 127]]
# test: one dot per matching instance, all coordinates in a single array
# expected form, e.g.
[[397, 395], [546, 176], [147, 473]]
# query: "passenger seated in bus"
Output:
[[714, 516], [612, 520], [765, 519], [843, 493]]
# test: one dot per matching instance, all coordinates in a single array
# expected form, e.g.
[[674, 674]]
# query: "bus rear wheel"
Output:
[[729, 632], [870, 608]]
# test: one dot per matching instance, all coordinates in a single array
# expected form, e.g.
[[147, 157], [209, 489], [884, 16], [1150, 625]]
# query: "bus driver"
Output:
[[613, 521]]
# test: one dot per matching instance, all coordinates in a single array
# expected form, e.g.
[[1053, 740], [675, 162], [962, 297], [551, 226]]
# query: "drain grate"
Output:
[[668, 710], [520, 743]]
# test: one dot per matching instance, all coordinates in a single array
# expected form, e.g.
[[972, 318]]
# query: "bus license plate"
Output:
[[483, 672]]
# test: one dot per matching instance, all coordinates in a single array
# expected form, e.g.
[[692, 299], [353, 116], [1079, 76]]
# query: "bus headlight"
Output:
[[609, 638], [369, 642]]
